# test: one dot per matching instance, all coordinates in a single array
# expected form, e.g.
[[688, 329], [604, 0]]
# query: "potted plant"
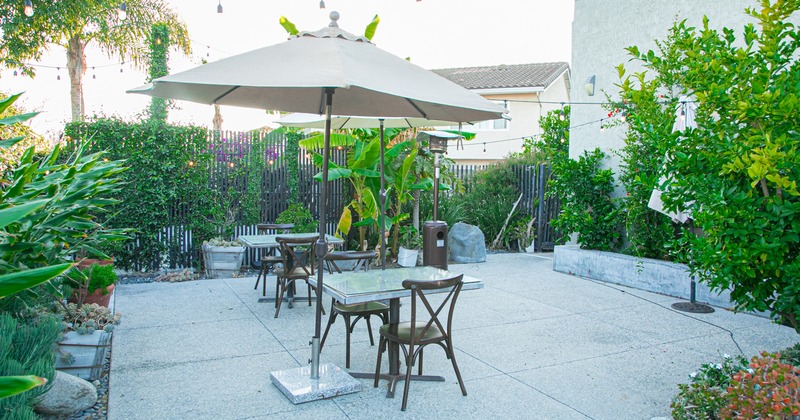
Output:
[[300, 217], [94, 284], [222, 258], [408, 252], [86, 337]]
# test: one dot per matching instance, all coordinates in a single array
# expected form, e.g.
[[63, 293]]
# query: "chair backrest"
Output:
[[274, 228], [362, 258], [419, 288], [298, 255]]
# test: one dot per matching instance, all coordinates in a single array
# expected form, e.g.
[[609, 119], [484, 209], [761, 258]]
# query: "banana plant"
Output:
[[403, 180]]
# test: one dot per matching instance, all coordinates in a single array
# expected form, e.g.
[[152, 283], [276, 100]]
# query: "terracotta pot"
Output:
[[87, 262], [99, 298]]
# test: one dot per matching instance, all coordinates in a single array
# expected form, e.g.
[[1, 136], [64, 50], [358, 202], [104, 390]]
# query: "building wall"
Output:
[[601, 31], [524, 110]]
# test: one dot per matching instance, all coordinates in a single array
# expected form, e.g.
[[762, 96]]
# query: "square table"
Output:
[[268, 242], [368, 286]]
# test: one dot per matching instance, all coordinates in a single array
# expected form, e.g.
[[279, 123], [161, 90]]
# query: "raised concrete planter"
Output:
[[656, 276]]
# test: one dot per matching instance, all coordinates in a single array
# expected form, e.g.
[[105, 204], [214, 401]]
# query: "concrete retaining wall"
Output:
[[642, 273]]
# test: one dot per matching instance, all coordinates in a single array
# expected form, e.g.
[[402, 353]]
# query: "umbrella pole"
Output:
[[383, 203], [322, 246]]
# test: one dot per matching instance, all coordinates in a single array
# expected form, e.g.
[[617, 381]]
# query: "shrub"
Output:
[[704, 396], [587, 208], [768, 389], [25, 349], [301, 218]]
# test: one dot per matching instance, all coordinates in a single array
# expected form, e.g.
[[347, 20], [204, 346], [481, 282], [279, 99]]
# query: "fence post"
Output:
[[540, 208]]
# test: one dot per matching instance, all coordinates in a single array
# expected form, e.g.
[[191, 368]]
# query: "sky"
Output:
[[432, 33]]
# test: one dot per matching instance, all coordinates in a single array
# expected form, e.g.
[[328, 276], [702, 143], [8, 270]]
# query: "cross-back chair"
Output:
[[356, 311], [415, 335], [297, 258], [269, 259]]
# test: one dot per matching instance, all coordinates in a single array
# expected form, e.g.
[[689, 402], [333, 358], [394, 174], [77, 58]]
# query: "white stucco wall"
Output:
[[601, 31], [524, 123]]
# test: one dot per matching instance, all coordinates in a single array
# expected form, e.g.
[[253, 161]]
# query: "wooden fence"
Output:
[[234, 167]]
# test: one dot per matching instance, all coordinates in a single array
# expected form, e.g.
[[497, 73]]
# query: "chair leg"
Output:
[[279, 300], [349, 329], [409, 366], [419, 366], [455, 367], [369, 329], [309, 293], [381, 343], [258, 278], [331, 320]]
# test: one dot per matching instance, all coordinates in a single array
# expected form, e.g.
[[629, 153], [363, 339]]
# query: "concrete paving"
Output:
[[533, 343]]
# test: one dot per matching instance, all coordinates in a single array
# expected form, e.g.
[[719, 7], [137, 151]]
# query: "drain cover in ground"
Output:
[[693, 307]]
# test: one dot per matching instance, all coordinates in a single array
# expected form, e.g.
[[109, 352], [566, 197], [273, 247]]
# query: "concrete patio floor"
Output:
[[533, 343]]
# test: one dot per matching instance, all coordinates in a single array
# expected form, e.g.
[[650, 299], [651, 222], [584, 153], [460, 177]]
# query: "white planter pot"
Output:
[[82, 355], [222, 261], [407, 257]]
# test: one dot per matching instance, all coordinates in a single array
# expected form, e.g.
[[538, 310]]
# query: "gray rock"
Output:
[[467, 244], [69, 394]]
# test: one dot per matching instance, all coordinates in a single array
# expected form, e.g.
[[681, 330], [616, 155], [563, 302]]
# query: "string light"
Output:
[[338, 147], [561, 115], [191, 163], [219, 7], [623, 116], [15, 72], [231, 165], [123, 11], [58, 74], [28, 10], [271, 161], [94, 75], [322, 4], [484, 148], [602, 128]]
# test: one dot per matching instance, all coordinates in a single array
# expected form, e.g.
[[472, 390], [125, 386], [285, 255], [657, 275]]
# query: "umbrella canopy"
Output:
[[684, 119], [292, 77], [316, 72], [303, 120]]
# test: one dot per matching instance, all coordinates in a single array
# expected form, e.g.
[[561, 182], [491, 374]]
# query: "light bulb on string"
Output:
[[602, 129], [58, 73], [683, 111], [94, 75], [208, 50], [15, 72], [271, 161], [219, 7], [122, 12], [28, 9], [231, 164], [561, 115], [484, 148], [623, 116], [322, 4]]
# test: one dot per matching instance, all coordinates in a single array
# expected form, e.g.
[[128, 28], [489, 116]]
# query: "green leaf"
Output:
[[317, 141], [12, 214], [17, 118], [288, 26], [369, 32], [21, 280], [13, 385], [5, 144]]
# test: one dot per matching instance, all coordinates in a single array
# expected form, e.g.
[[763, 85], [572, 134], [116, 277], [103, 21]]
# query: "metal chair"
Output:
[[414, 335], [270, 259], [357, 310], [297, 257]]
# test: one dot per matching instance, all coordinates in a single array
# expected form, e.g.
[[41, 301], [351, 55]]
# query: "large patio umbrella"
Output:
[[338, 122], [304, 74]]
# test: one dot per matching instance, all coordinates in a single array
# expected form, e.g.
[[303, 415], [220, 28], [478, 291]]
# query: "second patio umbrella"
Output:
[[302, 120], [304, 74]]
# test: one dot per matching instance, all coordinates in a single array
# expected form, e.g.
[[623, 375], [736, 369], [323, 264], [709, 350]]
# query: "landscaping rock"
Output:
[[68, 395], [467, 244]]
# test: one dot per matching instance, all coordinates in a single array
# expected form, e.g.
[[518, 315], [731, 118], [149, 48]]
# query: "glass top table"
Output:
[[268, 241], [372, 285]]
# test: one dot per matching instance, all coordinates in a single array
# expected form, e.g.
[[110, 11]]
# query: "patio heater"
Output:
[[434, 232]]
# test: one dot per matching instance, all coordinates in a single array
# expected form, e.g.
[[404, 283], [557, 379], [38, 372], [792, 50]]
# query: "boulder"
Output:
[[467, 244], [69, 394]]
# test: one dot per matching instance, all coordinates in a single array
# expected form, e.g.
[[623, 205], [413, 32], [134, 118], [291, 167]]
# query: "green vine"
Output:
[[292, 164], [159, 56]]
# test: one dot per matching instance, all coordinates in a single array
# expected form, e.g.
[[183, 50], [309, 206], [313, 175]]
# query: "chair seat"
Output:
[[348, 255], [403, 332], [297, 273], [271, 258], [367, 308]]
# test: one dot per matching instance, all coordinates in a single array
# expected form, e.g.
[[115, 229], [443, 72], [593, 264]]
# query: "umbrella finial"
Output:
[[334, 17]]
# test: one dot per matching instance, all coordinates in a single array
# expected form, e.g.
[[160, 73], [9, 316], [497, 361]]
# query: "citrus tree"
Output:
[[737, 172]]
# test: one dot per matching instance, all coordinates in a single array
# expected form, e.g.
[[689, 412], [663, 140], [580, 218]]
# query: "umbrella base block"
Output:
[[693, 307], [297, 385]]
